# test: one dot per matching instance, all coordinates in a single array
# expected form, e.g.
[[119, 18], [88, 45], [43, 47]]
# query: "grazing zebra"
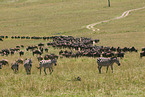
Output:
[[107, 62], [15, 66], [28, 65], [47, 64]]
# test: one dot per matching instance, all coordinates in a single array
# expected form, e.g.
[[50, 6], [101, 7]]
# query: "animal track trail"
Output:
[[125, 14]]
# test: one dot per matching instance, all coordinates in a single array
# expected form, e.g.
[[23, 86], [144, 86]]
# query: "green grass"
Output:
[[69, 17]]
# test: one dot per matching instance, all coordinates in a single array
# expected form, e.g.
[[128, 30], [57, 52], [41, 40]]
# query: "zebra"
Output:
[[47, 64], [107, 62], [28, 65], [15, 66]]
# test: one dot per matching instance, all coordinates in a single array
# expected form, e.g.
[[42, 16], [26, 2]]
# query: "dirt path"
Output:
[[125, 14]]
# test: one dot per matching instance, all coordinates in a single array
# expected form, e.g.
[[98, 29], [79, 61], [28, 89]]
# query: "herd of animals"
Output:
[[76, 47]]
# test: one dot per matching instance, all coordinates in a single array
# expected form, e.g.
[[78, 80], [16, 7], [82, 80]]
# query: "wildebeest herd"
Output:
[[76, 47]]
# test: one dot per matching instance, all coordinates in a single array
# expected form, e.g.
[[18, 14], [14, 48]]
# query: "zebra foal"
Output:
[[107, 62], [47, 64]]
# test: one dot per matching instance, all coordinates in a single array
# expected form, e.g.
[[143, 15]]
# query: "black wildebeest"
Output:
[[12, 37], [46, 49], [131, 49], [37, 52], [41, 49], [96, 40], [23, 37], [51, 56], [60, 52], [41, 44], [40, 58], [142, 53], [18, 46], [12, 52], [31, 48], [27, 37], [22, 46], [21, 53], [4, 61], [143, 49], [119, 54], [19, 60], [1, 39], [6, 52], [0, 65], [2, 36]]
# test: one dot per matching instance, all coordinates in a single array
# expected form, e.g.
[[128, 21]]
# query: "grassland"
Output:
[[69, 17]]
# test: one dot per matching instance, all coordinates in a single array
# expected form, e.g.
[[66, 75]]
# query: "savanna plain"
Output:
[[70, 18]]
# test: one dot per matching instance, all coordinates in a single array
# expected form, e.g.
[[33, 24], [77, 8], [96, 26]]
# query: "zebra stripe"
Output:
[[28, 65], [15, 66], [47, 64], [107, 62]]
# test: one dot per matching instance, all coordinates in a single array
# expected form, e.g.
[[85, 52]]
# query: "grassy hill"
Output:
[[70, 17]]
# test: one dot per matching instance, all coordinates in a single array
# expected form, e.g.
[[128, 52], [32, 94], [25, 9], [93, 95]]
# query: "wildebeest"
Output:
[[21, 53], [31, 48], [27, 37], [22, 46], [41, 49], [12, 37], [60, 52], [46, 49], [41, 44], [107, 62], [1, 36], [6, 36], [107, 54], [0, 65], [142, 53], [37, 52], [143, 49], [119, 54], [1, 39], [6, 51], [96, 40], [47, 64], [34, 37], [28, 65], [15, 67], [19, 60], [51, 56], [17, 46], [12, 52], [40, 58], [4, 61], [23, 37]]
